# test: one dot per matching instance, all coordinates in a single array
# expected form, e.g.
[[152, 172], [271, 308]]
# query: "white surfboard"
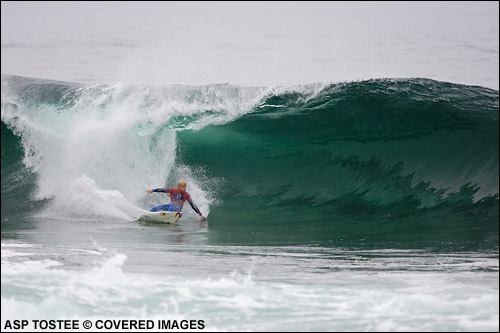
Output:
[[161, 217]]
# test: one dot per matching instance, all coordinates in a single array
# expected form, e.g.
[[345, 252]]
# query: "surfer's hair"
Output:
[[181, 183]]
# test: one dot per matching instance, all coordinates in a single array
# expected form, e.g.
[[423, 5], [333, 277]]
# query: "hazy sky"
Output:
[[250, 43]]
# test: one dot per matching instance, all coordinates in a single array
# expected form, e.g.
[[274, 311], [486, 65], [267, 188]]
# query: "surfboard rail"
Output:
[[161, 217]]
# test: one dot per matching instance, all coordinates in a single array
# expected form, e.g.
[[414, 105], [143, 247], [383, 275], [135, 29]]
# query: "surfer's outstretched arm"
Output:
[[164, 190], [195, 208]]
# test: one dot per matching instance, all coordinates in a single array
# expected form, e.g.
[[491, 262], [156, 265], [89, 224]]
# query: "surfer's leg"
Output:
[[160, 208], [166, 208], [173, 208]]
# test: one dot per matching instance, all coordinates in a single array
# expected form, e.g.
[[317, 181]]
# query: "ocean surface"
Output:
[[357, 202]]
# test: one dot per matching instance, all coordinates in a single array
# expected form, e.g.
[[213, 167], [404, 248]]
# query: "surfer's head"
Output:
[[182, 185]]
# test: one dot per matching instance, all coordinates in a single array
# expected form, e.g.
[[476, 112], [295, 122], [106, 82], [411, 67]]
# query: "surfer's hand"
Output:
[[203, 217], [150, 191]]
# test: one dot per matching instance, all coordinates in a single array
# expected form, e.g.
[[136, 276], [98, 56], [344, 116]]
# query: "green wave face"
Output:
[[405, 162], [411, 161]]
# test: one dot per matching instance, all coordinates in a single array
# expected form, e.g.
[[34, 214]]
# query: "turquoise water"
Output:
[[369, 205]]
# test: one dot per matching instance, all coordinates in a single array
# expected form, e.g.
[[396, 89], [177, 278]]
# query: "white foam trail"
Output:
[[96, 149], [98, 152]]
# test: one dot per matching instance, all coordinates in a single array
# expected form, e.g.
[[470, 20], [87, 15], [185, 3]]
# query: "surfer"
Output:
[[177, 197]]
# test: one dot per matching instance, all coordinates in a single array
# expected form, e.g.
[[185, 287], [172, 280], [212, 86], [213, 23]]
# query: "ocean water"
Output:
[[345, 190]]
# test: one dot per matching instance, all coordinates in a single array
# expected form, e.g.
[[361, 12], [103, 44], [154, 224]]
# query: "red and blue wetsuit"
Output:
[[176, 201]]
